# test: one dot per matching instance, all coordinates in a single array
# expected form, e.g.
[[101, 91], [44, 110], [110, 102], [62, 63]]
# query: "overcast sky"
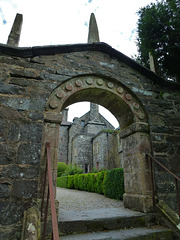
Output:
[[66, 22]]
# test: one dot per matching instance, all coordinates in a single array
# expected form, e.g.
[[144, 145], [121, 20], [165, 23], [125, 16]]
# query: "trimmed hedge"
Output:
[[110, 183], [113, 186], [70, 183], [99, 183], [62, 182]]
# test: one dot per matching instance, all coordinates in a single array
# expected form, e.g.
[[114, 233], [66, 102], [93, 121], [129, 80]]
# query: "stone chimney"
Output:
[[65, 114], [94, 112]]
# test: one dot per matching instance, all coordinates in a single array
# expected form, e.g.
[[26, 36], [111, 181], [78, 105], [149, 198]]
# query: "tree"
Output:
[[159, 33]]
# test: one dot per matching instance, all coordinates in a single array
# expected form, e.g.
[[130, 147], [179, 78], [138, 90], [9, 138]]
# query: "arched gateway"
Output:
[[128, 110], [37, 83]]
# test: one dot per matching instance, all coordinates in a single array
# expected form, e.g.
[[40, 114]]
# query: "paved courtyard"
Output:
[[82, 205]]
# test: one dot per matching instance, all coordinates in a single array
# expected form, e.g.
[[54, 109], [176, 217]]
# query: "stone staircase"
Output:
[[111, 223]]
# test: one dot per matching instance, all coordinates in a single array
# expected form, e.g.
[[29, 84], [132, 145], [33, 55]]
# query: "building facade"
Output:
[[86, 141]]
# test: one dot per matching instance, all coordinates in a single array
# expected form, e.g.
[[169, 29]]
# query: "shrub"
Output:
[[62, 182], [99, 184], [114, 184], [81, 182], [86, 180], [61, 167], [91, 186], [72, 170], [111, 182], [76, 184], [94, 170], [70, 183]]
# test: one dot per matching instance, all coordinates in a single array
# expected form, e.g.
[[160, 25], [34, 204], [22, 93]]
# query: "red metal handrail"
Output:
[[50, 195], [176, 178]]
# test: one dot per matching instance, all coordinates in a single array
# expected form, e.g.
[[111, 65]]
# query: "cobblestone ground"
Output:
[[70, 199]]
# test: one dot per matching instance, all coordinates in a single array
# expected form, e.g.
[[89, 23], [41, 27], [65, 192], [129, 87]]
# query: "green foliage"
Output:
[[110, 183], [61, 167], [158, 32], [92, 182], [100, 179], [76, 182], [86, 180], [95, 170], [70, 183], [82, 182], [72, 170], [114, 184], [62, 182]]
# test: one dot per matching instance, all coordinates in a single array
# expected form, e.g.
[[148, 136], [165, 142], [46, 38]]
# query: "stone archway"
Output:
[[128, 110]]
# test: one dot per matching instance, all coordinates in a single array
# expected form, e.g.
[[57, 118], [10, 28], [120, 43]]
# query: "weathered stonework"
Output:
[[76, 139], [41, 81], [82, 151]]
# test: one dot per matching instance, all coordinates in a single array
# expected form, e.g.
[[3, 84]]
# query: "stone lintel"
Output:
[[14, 36], [53, 117], [133, 128], [95, 123]]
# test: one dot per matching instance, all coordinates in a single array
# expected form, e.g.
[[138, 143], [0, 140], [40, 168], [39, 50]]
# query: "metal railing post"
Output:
[[177, 195], [43, 191], [171, 173], [152, 181], [50, 196], [45, 218]]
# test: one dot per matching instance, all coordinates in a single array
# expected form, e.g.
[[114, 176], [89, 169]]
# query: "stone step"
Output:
[[102, 219], [143, 233]]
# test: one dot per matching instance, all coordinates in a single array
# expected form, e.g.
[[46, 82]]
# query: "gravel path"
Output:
[[70, 199]]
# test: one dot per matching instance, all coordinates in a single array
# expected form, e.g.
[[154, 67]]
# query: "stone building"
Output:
[[83, 142]]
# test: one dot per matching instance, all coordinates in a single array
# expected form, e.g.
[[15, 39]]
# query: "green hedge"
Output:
[[110, 183], [113, 186], [99, 184], [70, 183], [62, 181]]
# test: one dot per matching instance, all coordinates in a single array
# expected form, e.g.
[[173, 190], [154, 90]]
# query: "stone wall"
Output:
[[63, 143], [100, 150], [26, 84], [82, 151], [115, 159], [76, 128], [94, 127], [20, 149], [105, 150]]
